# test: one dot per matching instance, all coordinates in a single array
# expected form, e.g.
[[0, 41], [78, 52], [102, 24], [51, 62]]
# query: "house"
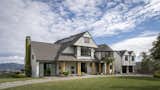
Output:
[[127, 61], [77, 54]]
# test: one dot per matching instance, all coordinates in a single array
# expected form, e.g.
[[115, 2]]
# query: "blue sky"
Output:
[[122, 24]]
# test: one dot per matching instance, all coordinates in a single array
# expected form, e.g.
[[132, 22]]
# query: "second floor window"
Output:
[[132, 58], [86, 39], [126, 58], [85, 51]]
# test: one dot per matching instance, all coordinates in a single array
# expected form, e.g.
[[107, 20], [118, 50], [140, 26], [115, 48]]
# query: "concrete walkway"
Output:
[[48, 79]]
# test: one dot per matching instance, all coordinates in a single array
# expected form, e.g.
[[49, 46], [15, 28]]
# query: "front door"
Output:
[[47, 69], [83, 67], [124, 69], [130, 69]]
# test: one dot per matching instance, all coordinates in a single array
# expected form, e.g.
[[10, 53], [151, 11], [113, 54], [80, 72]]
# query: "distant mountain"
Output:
[[11, 67]]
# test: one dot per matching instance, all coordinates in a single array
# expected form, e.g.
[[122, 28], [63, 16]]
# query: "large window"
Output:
[[86, 39], [85, 51]]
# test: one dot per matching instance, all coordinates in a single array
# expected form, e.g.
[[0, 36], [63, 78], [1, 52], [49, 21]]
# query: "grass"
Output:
[[105, 83]]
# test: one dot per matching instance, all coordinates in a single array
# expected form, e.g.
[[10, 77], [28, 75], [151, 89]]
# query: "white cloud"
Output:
[[19, 18]]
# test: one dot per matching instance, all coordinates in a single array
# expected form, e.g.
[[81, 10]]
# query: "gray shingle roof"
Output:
[[103, 47], [121, 52], [45, 51], [70, 40], [53, 51]]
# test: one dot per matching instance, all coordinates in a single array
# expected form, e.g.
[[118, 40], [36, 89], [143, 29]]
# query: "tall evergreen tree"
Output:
[[147, 63], [155, 53]]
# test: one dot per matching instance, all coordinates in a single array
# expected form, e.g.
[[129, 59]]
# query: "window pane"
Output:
[[132, 58], [85, 51]]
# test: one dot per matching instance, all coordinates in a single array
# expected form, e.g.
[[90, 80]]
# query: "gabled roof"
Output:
[[71, 40], [103, 47], [121, 53], [130, 52], [45, 51], [53, 51]]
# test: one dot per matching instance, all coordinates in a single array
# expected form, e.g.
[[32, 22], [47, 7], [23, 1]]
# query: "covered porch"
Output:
[[77, 68]]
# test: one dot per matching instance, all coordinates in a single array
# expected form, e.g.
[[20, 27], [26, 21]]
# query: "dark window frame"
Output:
[[85, 51]]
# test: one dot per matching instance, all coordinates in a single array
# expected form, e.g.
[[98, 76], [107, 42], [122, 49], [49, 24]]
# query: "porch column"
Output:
[[112, 68], [133, 69], [79, 68], [127, 69], [100, 69], [105, 69], [38, 70], [63, 64], [93, 68]]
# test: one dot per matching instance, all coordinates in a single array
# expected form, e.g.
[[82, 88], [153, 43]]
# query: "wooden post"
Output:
[[108, 68], [100, 69], [79, 68], [93, 68], [63, 67]]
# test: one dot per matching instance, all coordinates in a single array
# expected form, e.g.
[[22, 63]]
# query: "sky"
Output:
[[122, 24]]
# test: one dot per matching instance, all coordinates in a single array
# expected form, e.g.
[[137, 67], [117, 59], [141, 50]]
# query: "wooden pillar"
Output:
[[105, 69], [63, 65], [127, 68], [108, 68], [79, 68], [100, 69], [93, 68]]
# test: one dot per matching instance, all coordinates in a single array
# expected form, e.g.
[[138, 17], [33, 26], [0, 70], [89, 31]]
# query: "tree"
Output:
[[147, 63], [108, 60], [155, 53]]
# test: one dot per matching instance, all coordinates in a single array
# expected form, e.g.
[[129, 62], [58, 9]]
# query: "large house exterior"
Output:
[[77, 54]]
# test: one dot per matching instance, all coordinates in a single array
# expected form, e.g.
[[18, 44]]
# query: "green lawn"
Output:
[[106, 83], [2, 80]]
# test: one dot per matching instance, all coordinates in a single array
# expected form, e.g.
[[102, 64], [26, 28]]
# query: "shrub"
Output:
[[157, 74], [18, 76], [66, 73], [12, 75]]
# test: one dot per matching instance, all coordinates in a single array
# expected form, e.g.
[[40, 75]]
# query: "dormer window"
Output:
[[86, 39]]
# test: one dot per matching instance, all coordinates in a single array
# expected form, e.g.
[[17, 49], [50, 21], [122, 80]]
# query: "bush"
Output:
[[12, 75], [157, 74], [18, 76], [66, 73]]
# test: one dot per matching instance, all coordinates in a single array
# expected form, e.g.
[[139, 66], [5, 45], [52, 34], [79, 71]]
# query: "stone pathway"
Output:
[[48, 79]]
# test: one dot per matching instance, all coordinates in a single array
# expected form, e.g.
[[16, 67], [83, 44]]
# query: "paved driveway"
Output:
[[48, 79]]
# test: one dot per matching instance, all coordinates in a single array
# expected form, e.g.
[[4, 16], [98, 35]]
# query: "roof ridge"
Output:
[[45, 43], [69, 37]]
